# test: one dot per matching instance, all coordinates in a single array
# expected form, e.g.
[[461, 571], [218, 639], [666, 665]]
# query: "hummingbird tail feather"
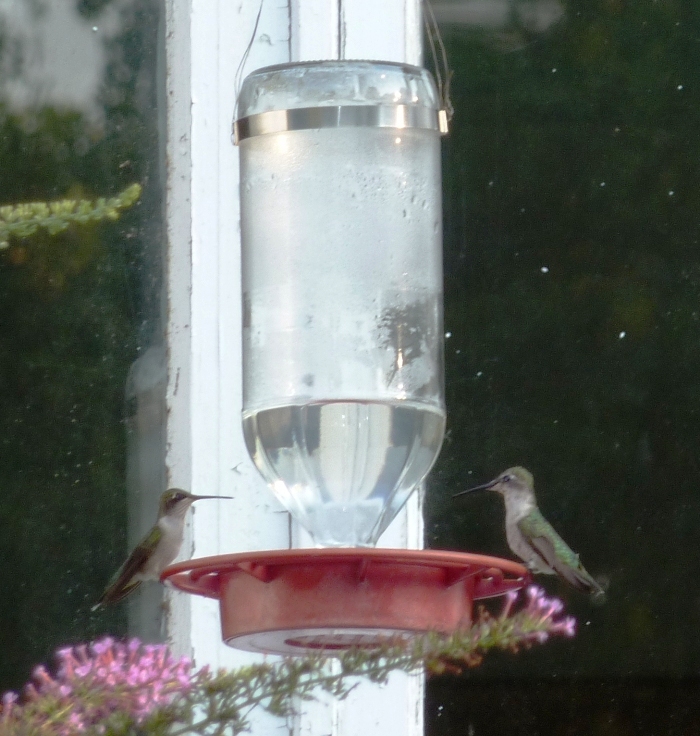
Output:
[[581, 580], [115, 594]]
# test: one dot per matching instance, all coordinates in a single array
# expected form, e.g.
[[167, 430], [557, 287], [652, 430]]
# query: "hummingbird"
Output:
[[531, 537], [156, 550]]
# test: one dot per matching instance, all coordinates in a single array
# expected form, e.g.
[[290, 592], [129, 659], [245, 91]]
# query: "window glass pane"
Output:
[[572, 275], [79, 309]]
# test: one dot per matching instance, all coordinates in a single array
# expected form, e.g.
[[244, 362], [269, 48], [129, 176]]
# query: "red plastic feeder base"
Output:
[[297, 600]]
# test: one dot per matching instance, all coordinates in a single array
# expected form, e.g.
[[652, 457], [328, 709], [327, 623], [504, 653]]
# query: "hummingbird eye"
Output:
[[506, 478]]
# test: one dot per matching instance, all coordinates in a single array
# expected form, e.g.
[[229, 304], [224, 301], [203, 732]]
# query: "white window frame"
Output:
[[205, 41]]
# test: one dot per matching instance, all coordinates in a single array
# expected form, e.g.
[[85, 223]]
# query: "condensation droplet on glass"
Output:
[[544, 269], [679, 87], [622, 335], [479, 374], [671, 192], [602, 183], [554, 70], [397, 140], [94, 29], [448, 335]]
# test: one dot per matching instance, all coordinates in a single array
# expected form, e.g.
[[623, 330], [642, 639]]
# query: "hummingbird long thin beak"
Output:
[[199, 498], [483, 487]]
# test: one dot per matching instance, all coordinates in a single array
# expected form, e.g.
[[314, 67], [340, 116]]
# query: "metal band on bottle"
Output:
[[344, 116]]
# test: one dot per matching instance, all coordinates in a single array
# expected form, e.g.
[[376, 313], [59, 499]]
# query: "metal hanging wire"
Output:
[[438, 53], [238, 79]]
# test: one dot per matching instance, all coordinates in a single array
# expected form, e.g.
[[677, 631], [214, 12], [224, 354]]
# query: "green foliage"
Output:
[[226, 699], [123, 688], [23, 220]]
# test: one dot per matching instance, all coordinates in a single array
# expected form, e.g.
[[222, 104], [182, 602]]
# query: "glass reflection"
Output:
[[80, 314]]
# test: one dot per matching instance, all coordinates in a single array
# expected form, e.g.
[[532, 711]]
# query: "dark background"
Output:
[[578, 150]]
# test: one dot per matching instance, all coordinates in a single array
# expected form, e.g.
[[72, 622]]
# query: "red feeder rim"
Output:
[[295, 600]]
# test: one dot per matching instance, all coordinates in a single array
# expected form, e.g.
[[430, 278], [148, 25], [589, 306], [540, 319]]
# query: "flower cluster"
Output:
[[541, 616], [116, 688], [513, 628], [127, 680]]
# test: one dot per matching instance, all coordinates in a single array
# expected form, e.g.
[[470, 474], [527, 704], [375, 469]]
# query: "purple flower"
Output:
[[96, 681], [539, 618], [8, 705]]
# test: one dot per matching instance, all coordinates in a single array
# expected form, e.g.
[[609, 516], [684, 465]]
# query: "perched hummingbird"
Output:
[[531, 536], [156, 550]]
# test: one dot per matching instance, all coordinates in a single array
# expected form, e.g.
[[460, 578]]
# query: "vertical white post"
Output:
[[205, 42], [316, 31]]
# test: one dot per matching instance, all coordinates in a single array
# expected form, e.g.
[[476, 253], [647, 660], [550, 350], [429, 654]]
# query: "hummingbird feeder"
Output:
[[343, 396]]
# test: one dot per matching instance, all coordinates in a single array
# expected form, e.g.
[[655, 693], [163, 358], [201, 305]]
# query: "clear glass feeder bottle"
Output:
[[343, 409]]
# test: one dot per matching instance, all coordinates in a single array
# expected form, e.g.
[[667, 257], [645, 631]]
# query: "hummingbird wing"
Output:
[[557, 553], [122, 582]]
